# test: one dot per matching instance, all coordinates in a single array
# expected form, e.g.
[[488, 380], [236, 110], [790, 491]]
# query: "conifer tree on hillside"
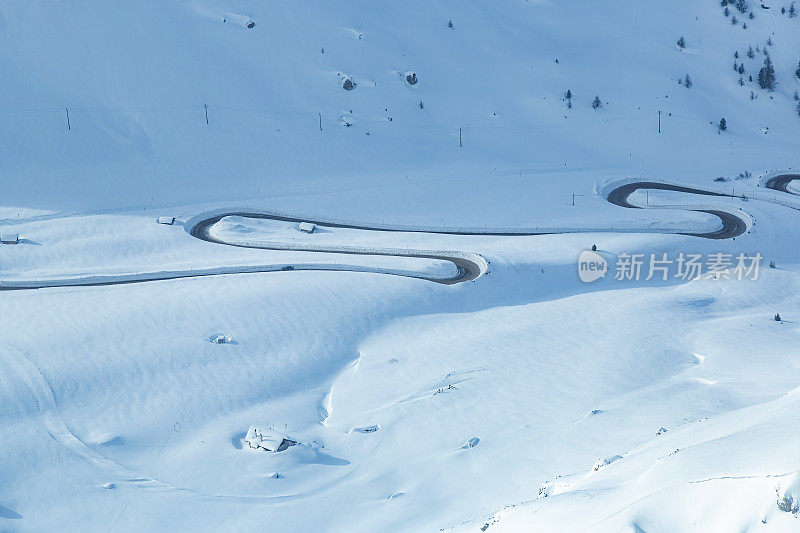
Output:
[[766, 76], [596, 103], [681, 43]]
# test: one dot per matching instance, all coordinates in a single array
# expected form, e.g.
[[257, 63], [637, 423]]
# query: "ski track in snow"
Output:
[[29, 374], [57, 428]]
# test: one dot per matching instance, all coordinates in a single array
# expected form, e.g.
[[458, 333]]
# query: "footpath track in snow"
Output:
[[469, 266]]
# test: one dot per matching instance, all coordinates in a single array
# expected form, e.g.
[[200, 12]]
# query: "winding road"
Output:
[[732, 226], [469, 266], [781, 183]]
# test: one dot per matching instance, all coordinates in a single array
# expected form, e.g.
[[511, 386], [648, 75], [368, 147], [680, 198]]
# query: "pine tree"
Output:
[[736, 54], [723, 125], [741, 68], [766, 76], [727, 11], [792, 11], [742, 6], [597, 102], [796, 96], [797, 72], [741, 81], [687, 82], [769, 41], [798, 109], [569, 99], [750, 53], [734, 20], [681, 43], [735, 66]]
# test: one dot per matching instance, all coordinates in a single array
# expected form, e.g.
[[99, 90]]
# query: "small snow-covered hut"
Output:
[[267, 439], [307, 227]]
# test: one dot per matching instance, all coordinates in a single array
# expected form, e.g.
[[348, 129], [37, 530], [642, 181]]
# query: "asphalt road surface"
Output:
[[469, 266]]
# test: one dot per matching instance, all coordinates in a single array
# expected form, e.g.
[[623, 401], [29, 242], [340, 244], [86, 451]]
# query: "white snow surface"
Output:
[[417, 406]]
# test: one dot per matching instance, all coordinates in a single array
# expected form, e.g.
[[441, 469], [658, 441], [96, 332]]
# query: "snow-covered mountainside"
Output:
[[422, 350]]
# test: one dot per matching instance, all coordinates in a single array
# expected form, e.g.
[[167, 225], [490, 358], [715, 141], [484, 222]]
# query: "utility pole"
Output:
[[459, 138], [68, 126], [206, 108], [659, 121], [320, 121]]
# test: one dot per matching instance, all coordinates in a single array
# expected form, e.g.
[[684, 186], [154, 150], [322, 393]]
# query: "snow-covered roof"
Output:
[[268, 439]]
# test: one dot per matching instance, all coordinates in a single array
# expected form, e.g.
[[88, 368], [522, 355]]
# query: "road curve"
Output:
[[732, 226], [781, 183], [469, 266]]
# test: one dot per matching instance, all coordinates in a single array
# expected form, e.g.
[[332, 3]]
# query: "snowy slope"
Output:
[[417, 406], [136, 78]]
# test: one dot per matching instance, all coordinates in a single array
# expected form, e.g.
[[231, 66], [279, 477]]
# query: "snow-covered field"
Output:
[[521, 400]]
